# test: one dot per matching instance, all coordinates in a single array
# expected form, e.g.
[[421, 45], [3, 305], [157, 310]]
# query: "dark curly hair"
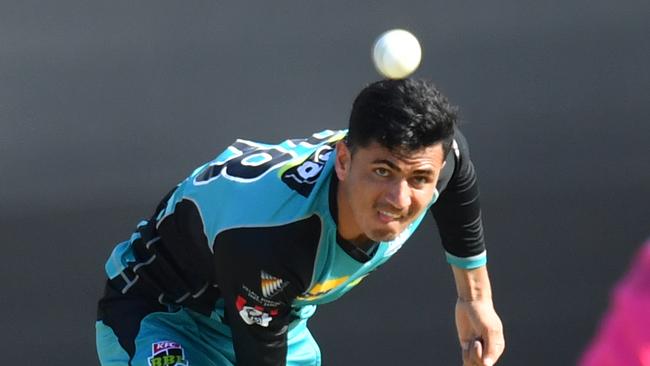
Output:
[[401, 115]]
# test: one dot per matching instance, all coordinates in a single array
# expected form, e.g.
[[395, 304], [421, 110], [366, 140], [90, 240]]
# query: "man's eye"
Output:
[[382, 172], [420, 180]]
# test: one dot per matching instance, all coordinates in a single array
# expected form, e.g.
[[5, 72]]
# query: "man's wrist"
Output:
[[477, 299], [472, 285]]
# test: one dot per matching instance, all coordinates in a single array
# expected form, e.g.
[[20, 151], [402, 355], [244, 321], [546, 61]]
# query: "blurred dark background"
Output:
[[106, 105]]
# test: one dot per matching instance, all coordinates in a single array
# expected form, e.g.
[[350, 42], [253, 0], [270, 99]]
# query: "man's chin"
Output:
[[383, 235]]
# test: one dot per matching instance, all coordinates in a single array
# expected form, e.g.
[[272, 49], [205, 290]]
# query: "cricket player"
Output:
[[236, 258]]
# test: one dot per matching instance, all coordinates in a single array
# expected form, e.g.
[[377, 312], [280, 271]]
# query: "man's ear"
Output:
[[343, 160]]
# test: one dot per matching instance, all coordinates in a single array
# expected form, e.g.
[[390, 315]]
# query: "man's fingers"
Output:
[[472, 352], [465, 348], [476, 353], [494, 346]]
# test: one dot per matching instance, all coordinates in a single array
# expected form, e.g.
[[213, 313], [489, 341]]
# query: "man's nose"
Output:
[[399, 194]]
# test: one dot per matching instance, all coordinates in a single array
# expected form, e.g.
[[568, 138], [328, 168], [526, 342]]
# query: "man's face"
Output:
[[381, 192]]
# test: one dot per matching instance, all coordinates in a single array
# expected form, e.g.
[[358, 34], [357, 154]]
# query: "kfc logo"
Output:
[[167, 353]]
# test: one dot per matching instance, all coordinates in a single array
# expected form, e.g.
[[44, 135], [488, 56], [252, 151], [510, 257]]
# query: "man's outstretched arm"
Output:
[[480, 331]]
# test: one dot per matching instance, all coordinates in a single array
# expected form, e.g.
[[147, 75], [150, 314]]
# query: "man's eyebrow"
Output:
[[387, 162], [424, 171]]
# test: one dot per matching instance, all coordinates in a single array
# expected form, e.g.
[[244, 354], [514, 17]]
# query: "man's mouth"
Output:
[[386, 216]]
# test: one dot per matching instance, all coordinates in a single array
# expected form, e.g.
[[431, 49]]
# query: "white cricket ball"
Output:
[[396, 54]]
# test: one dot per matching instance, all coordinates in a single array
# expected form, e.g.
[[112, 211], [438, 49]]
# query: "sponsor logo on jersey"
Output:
[[253, 296], [356, 282], [301, 178], [167, 353], [254, 314], [271, 286], [323, 288]]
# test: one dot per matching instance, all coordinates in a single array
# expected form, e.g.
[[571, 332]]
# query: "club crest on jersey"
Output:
[[271, 286], [167, 353], [301, 178], [254, 314]]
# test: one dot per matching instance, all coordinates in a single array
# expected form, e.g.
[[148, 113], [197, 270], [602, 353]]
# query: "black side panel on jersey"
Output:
[[173, 268], [260, 271], [458, 211], [173, 262], [186, 249]]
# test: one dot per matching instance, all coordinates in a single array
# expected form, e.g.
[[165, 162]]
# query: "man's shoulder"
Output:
[[248, 164], [253, 183]]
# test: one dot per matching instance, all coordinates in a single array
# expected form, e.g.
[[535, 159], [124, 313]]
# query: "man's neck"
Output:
[[347, 227]]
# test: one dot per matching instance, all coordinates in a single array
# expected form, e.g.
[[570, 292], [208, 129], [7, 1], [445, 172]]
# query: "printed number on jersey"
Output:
[[247, 161]]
